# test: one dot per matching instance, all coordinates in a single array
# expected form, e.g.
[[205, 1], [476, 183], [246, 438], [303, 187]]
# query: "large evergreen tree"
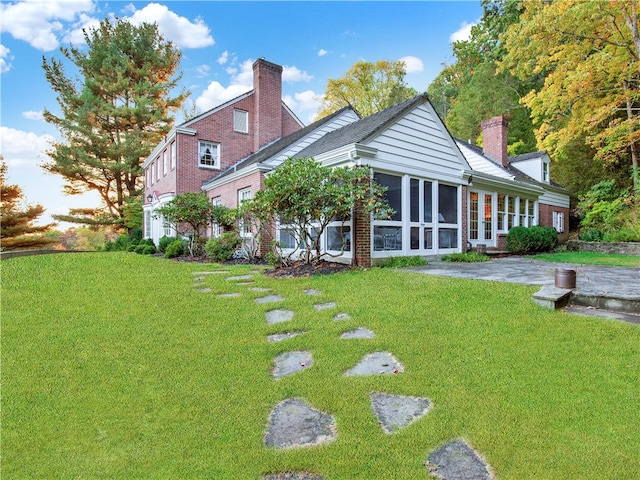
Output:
[[17, 230], [114, 116], [367, 87]]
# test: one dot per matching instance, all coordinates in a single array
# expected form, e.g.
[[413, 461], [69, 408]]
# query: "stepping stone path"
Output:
[[376, 363], [278, 337], [360, 332], [289, 363], [293, 423], [395, 411], [278, 316], [456, 460]]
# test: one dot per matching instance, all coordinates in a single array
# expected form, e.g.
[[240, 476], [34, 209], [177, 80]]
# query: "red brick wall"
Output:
[[494, 138], [545, 218], [362, 237], [267, 83]]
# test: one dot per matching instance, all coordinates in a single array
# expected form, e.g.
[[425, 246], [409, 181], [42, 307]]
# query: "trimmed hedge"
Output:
[[525, 240]]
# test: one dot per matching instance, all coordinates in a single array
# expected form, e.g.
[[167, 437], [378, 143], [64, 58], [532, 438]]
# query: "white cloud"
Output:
[[180, 30], [216, 94], [23, 149], [39, 22], [203, 70], [294, 74], [462, 34], [75, 35], [32, 115], [412, 64], [322, 52], [5, 58], [307, 100], [222, 59]]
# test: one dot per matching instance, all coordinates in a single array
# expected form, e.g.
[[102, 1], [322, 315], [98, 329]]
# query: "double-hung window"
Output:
[[245, 227], [558, 221], [241, 121], [208, 155]]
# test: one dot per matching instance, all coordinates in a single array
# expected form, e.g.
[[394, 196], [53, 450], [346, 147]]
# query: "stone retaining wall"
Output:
[[624, 248]]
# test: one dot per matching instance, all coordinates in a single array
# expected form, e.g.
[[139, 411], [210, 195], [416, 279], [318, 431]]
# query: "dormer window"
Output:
[[545, 172], [241, 121], [208, 155]]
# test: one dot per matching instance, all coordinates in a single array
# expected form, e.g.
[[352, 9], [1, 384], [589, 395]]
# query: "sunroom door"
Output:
[[420, 217], [481, 229]]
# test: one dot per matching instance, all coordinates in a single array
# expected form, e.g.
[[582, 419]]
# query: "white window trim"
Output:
[[216, 161], [558, 221], [241, 121]]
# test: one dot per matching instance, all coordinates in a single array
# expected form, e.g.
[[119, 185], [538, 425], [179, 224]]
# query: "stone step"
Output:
[[552, 297]]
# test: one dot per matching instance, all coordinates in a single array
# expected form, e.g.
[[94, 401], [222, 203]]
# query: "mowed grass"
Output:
[[115, 365], [591, 258]]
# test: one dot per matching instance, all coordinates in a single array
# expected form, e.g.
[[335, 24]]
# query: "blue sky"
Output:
[[314, 41]]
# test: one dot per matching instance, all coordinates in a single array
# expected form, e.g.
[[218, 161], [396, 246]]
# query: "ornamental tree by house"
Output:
[[113, 116], [189, 214], [308, 196]]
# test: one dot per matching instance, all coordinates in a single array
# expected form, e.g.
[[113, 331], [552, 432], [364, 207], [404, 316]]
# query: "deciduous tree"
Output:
[[112, 117], [589, 54], [190, 214], [368, 88]]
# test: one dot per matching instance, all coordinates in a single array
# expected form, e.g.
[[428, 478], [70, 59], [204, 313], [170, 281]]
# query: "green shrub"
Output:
[[135, 235], [469, 257], [121, 243], [164, 242], [222, 248], [174, 249], [131, 247], [148, 250], [523, 240], [592, 235], [401, 262], [140, 248]]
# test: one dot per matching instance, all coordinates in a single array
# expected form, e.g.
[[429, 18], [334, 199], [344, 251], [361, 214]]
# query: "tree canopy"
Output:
[[367, 87], [589, 56], [114, 116], [17, 228]]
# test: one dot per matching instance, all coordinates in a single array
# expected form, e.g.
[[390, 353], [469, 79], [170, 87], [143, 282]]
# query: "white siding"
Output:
[[482, 164], [556, 199]]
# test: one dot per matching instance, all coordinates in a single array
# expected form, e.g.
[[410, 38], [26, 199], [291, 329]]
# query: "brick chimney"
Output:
[[494, 139], [267, 121]]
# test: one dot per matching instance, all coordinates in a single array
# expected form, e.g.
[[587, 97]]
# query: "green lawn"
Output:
[[114, 365], [591, 258]]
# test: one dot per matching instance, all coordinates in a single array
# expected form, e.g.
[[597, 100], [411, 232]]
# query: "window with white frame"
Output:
[[502, 211], [511, 212], [165, 162], [531, 212], [167, 228], [208, 154], [158, 168], [147, 224], [243, 196], [216, 231], [241, 121], [545, 172], [522, 212], [172, 156], [558, 221]]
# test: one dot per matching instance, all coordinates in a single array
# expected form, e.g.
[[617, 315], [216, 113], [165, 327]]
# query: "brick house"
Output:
[[447, 194]]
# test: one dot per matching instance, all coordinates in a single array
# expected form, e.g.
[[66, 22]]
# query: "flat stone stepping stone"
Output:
[[237, 278], [229, 295], [260, 289], [288, 363], [292, 476], [198, 279], [312, 291], [205, 289], [342, 316], [324, 306], [359, 332], [396, 411], [293, 423], [278, 316], [278, 337], [214, 272], [269, 299], [376, 363], [456, 460]]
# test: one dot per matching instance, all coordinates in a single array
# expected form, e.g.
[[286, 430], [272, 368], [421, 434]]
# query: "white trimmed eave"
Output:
[[479, 179], [237, 174], [169, 137], [352, 154]]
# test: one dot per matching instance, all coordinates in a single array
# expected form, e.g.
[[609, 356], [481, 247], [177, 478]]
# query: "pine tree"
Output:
[[114, 117], [17, 231]]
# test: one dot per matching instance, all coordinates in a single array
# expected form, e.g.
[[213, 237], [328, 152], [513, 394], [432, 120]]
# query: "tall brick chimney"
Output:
[[494, 139], [267, 83]]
